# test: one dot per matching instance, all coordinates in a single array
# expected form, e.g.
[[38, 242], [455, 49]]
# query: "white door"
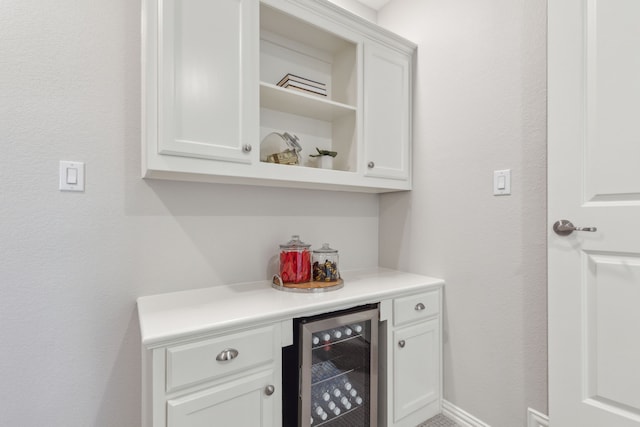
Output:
[[594, 181], [387, 112], [416, 367], [243, 402], [208, 79]]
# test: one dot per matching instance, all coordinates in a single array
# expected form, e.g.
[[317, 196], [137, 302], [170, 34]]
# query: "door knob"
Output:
[[269, 390], [564, 227]]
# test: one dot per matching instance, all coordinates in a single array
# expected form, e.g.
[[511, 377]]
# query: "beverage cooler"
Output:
[[331, 371]]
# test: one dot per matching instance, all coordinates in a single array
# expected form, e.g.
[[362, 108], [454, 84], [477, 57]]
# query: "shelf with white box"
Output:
[[211, 94]]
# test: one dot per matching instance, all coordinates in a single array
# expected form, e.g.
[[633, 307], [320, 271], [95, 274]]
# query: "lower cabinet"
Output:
[[416, 365], [247, 401], [232, 378], [412, 383]]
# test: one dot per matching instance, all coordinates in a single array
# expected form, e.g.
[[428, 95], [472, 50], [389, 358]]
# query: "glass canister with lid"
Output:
[[325, 264], [295, 261]]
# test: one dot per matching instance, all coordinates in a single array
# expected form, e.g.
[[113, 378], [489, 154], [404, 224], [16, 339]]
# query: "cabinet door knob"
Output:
[[371, 165], [269, 390], [420, 306], [401, 343], [227, 354], [246, 148]]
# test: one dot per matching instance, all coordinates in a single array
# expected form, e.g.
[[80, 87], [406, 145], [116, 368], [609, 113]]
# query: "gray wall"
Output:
[[479, 106], [72, 264]]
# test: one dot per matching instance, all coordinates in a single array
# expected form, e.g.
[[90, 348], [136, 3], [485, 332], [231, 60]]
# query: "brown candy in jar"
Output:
[[325, 264]]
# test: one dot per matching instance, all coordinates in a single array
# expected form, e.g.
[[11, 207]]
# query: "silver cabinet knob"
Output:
[[269, 390], [227, 354], [371, 165], [564, 227], [401, 343], [246, 148], [420, 306]]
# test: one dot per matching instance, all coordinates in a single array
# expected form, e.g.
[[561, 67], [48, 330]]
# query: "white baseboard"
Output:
[[465, 419], [536, 419], [461, 417]]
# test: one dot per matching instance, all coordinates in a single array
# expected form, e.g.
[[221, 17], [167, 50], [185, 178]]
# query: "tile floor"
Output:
[[438, 421]]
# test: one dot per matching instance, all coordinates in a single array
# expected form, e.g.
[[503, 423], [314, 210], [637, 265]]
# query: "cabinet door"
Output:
[[387, 112], [416, 366], [208, 78], [242, 402]]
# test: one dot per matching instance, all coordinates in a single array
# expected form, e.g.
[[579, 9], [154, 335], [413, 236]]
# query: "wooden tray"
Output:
[[307, 286]]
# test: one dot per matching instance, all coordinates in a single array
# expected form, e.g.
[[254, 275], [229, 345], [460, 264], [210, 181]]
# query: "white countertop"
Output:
[[181, 314]]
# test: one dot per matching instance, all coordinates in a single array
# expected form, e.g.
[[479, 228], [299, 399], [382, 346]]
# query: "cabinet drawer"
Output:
[[415, 307], [208, 359]]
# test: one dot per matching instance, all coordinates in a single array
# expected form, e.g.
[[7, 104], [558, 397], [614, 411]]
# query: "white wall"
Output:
[[479, 106], [72, 264]]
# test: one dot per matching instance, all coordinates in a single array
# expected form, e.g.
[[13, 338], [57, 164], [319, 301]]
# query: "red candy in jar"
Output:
[[295, 261]]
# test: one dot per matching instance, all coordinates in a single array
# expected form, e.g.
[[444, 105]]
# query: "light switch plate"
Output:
[[502, 182], [71, 176]]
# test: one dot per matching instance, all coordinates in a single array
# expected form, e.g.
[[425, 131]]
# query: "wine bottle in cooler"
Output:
[[318, 411], [354, 397], [333, 408], [347, 332], [345, 383], [336, 334], [357, 328], [335, 391], [344, 400], [321, 393]]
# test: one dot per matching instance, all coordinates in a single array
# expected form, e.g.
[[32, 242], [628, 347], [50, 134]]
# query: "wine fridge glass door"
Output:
[[339, 370]]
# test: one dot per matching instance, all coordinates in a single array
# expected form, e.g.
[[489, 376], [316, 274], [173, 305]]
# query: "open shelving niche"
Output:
[[289, 45]]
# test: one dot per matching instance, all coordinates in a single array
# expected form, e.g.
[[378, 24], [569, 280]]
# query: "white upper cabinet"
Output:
[[213, 91], [387, 112], [205, 68]]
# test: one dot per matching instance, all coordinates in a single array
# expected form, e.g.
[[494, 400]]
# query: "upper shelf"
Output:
[[302, 104], [291, 28]]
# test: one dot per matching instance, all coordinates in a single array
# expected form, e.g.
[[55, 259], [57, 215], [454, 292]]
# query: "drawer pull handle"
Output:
[[401, 343], [420, 306], [227, 354], [269, 390]]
